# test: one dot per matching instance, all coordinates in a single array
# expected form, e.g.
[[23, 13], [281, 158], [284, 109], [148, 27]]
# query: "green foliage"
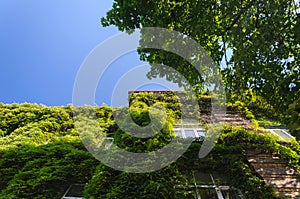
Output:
[[294, 120], [243, 109], [228, 158], [169, 100], [246, 140], [33, 124], [139, 112], [251, 105], [156, 137], [108, 183], [255, 108], [262, 37], [41, 153], [105, 119], [44, 171], [15, 116]]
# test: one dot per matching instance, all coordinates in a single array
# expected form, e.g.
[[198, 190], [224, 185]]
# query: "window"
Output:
[[201, 133], [75, 191], [178, 133], [283, 133], [189, 132], [207, 191]]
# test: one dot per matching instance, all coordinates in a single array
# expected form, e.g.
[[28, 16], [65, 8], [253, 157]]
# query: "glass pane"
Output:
[[178, 133], [200, 133], [281, 133], [189, 133], [208, 194]]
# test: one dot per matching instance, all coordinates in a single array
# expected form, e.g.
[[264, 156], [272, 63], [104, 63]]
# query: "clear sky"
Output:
[[43, 44]]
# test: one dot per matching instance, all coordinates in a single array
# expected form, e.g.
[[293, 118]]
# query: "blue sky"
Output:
[[43, 44]]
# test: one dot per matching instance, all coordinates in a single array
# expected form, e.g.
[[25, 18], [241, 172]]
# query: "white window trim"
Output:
[[195, 130], [285, 131]]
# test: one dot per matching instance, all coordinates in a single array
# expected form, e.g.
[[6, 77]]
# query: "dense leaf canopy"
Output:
[[259, 40]]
